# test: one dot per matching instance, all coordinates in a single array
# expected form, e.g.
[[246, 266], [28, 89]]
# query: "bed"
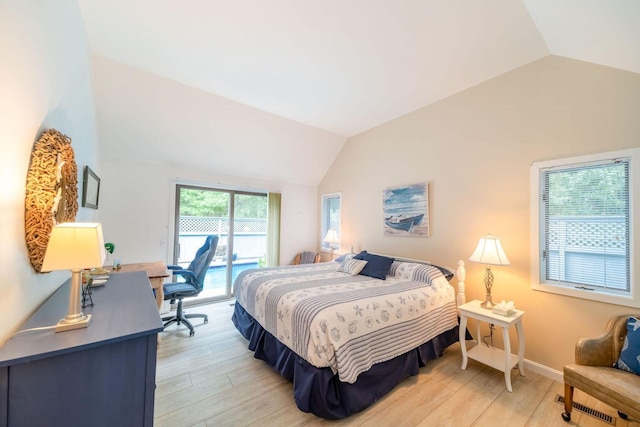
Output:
[[346, 332]]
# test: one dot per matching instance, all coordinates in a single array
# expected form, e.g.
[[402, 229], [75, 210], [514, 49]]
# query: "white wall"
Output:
[[45, 83], [154, 131], [475, 150]]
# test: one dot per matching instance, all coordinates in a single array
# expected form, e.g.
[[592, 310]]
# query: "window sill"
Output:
[[595, 295]]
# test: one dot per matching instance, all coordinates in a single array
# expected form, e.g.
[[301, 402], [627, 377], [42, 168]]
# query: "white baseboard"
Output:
[[543, 370]]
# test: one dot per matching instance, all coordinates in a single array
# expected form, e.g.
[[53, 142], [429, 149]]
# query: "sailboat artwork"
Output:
[[406, 210]]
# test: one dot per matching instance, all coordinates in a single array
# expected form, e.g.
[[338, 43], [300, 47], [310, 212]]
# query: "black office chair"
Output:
[[192, 284]]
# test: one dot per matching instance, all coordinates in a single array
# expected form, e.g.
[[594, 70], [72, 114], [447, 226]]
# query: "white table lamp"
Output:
[[74, 246], [331, 237], [489, 252]]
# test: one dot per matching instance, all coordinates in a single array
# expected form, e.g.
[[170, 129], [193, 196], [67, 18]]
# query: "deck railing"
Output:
[[250, 237]]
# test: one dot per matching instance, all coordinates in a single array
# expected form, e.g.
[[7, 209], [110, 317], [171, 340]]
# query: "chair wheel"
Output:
[[566, 416], [623, 415], [206, 320], [191, 333]]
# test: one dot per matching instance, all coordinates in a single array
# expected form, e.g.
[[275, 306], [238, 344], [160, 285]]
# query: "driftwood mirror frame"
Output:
[[51, 192]]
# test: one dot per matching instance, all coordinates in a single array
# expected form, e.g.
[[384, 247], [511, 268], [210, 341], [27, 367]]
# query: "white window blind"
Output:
[[585, 225]]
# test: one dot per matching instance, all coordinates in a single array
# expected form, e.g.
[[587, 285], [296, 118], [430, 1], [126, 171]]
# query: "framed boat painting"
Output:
[[406, 210]]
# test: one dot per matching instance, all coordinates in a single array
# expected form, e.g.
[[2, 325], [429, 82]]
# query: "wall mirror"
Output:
[[51, 195]]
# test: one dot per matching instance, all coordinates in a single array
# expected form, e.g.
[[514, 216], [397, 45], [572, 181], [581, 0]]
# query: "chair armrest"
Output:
[[177, 270], [603, 350], [185, 273]]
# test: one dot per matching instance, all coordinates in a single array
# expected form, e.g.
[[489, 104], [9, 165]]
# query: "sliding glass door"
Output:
[[238, 218]]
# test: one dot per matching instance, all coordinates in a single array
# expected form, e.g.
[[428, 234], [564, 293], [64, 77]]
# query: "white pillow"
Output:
[[352, 266]]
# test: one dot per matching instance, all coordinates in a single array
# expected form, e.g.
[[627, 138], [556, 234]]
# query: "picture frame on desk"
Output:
[[90, 189]]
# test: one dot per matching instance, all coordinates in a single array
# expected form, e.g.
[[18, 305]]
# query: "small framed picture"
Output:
[[91, 189]]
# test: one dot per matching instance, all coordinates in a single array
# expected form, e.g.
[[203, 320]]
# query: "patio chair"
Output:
[[306, 258]]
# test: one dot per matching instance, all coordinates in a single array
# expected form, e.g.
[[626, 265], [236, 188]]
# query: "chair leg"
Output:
[[181, 318], [170, 320], [188, 325], [203, 316], [568, 402]]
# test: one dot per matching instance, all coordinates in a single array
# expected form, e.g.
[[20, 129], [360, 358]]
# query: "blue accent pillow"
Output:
[[360, 255], [630, 354], [378, 266]]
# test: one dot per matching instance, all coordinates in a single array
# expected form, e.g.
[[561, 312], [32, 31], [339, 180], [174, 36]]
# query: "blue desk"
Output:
[[103, 375]]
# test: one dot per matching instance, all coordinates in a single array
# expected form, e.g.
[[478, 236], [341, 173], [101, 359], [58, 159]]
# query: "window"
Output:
[[238, 218], [582, 227], [330, 217]]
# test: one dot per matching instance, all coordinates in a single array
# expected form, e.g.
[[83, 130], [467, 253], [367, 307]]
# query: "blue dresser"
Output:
[[103, 375]]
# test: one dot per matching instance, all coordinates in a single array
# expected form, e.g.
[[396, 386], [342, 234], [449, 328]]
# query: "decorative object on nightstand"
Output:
[[331, 238], [489, 252], [74, 246], [504, 308]]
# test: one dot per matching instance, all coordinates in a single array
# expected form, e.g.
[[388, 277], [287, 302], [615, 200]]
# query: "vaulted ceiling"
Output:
[[348, 65]]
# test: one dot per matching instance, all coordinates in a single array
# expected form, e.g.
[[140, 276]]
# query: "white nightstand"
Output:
[[502, 360]]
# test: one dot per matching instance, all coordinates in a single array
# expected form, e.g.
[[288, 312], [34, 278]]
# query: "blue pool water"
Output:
[[217, 275]]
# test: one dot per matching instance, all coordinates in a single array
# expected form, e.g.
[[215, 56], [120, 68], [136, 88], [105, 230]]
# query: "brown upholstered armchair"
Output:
[[593, 372]]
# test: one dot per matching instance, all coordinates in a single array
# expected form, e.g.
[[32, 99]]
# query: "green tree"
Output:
[[195, 202], [595, 191], [250, 206]]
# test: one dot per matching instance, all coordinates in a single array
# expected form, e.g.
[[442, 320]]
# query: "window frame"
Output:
[[630, 298], [324, 226]]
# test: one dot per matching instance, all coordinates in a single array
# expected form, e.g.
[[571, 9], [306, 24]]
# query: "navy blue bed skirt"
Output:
[[318, 390]]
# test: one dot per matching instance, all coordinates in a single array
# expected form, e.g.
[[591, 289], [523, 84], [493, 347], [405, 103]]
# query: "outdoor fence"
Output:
[[250, 237], [589, 250]]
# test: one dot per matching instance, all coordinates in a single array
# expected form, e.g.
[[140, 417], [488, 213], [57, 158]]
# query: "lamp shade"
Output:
[[74, 245], [331, 236], [490, 252]]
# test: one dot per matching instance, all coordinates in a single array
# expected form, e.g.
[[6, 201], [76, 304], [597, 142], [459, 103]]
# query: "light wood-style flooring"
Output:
[[212, 379]]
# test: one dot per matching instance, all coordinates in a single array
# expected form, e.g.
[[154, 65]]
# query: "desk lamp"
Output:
[[489, 252], [74, 246]]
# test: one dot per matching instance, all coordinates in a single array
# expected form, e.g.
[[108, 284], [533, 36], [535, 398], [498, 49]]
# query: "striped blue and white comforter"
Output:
[[344, 322]]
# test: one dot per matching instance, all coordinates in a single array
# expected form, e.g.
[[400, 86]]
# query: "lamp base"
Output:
[[73, 322], [488, 284], [488, 304]]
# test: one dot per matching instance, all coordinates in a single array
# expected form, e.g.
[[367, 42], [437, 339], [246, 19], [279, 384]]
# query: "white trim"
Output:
[[543, 370], [632, 299], [218, 185]]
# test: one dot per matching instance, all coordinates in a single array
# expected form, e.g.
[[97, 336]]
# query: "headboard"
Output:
[[460, 273]]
